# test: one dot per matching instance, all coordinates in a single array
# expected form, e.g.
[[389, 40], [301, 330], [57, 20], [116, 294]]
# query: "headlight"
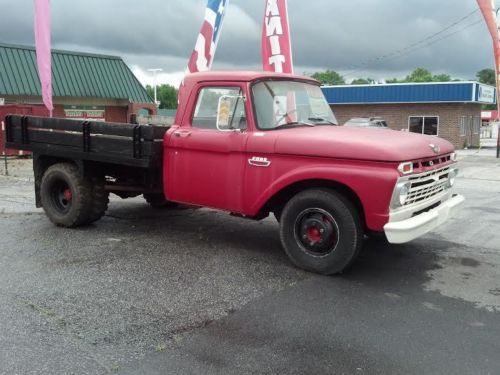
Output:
[[403, 193], [400, 194], [453, 156], [452, 175]]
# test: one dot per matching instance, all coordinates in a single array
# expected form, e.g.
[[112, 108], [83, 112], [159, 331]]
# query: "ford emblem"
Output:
[[435, 148]]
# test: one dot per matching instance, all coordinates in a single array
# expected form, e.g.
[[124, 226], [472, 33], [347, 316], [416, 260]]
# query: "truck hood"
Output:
[[359, 143]]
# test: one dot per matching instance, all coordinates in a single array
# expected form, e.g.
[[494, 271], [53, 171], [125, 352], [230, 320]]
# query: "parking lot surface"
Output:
[[148, 291]]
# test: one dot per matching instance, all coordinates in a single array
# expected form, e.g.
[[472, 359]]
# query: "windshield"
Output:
[[279, 104]]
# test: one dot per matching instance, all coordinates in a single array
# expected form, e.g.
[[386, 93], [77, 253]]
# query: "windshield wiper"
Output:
[[318, 119], [292, 125]]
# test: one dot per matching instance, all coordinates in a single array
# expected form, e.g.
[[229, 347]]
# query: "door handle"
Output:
[[182, 133]]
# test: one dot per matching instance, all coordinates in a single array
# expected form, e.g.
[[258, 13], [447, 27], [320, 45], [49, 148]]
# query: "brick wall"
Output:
[[116, 114], [397, 115]]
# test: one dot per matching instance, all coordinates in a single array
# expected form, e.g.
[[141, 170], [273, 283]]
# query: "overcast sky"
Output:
[[350, 36]]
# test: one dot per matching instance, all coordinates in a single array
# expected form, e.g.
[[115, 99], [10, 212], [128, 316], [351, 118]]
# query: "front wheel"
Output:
[[321, 231]]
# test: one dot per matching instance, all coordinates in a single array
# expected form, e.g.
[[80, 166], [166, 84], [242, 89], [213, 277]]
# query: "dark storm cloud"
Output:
[[340, 35]]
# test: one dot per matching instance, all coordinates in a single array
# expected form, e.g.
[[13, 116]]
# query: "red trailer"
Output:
[[14, 109]]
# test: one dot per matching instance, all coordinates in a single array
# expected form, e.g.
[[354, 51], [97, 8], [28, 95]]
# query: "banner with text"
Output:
[[276, 45]]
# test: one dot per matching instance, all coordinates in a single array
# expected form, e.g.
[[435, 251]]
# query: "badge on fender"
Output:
[[259, 162]]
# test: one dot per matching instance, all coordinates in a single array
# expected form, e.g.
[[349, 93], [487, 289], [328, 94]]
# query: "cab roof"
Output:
[[241, 76]]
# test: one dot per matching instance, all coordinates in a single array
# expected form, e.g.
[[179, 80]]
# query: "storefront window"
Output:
[[424, 125]]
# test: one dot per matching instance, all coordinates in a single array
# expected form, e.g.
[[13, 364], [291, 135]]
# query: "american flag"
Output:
[[204, 50]]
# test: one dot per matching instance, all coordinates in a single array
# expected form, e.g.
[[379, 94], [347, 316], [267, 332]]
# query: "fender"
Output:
[[373, 183]]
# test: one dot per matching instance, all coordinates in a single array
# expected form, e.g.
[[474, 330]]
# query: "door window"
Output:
[[205, 114]]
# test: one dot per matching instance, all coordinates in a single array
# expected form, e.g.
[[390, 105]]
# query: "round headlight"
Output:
[[452, 175], [403, 194]]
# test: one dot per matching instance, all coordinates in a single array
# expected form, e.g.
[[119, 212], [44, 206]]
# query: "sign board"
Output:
[[84, 112], [486, 94]]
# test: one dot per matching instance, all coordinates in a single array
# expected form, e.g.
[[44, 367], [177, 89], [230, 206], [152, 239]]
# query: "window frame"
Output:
[[272, 79], [423, 117], [214, 85], [462, 126]]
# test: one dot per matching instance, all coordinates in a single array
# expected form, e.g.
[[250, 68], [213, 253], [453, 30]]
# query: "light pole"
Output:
[[155, 71]]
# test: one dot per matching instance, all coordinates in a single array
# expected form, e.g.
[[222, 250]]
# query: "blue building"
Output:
[[451, 110]]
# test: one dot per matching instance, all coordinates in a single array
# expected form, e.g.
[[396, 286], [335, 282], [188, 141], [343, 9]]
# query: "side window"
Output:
[[205, 113]]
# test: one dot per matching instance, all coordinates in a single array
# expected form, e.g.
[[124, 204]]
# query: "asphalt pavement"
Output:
[[197, 291]]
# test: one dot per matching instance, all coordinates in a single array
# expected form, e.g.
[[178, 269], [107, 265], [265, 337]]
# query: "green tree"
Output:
[[486, 76], [166, 94], [362, 81], [329, 77], [422, 75], [441, 78], [419, 75]]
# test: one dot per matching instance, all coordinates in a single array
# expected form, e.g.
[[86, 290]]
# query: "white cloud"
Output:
[[147, 78]]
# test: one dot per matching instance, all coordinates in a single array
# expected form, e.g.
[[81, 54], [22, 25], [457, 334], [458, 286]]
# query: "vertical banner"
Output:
[[276, 45], [43, 50], [488, 10], [206, 44]]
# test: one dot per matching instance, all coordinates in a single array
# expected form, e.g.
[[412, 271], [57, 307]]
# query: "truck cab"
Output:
[[255, 144]]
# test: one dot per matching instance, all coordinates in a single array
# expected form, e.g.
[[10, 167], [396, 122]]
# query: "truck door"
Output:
[[207, 158]]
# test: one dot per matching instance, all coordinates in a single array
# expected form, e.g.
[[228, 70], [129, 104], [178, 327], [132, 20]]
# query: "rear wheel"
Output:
[[66, 196], [321, 231], [100, 199]]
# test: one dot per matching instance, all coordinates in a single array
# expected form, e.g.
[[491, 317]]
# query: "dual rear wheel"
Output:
[[70, 199]]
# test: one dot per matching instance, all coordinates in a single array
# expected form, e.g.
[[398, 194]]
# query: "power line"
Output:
[[410, 48]]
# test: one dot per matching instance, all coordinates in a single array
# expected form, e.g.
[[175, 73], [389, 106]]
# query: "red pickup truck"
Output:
[[251, 144]]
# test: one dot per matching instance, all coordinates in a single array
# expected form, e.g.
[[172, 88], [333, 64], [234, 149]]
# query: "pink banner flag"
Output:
[[489, 12], [276, 45], [43, 53]]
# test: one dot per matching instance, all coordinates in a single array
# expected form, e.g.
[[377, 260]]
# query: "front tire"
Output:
[[321, 231], [66, 196]]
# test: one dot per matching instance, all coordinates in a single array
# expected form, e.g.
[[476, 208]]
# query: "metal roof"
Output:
[[74, 74], [435, 92]]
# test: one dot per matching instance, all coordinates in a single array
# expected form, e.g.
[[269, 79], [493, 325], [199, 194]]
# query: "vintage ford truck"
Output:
[[251, 144]]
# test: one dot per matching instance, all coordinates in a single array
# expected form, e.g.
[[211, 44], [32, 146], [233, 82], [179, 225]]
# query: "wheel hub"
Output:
[[316, 231], [67, 195], [61, 196]]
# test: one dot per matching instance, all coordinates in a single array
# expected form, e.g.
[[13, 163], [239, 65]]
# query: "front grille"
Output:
[[426, 185], [431, 162]]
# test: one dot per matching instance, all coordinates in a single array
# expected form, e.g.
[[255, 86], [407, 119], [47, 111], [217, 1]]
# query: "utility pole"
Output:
[[155, 71]]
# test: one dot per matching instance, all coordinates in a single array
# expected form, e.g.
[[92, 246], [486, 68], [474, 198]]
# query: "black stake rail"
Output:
[[118, 143]]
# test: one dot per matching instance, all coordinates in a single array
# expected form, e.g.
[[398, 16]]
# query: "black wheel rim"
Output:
[[316, 232], [61, 196]]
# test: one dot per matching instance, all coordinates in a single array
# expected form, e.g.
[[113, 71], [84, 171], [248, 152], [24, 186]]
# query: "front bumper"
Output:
[[409, 229]]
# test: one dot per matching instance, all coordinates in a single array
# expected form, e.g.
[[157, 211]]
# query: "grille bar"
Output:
[[426, 185]]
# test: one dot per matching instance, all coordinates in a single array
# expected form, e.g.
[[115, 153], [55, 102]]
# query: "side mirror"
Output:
[[227, 112]]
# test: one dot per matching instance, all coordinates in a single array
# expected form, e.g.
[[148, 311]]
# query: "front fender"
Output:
[[373, 184]]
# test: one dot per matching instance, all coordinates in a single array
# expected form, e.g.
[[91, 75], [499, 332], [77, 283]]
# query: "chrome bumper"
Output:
[[409, 229]]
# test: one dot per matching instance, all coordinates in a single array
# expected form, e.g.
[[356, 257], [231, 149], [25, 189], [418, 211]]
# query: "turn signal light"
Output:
[[405, 168]]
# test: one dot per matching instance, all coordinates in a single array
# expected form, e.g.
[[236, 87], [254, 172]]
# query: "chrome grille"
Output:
[[426, 185]]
